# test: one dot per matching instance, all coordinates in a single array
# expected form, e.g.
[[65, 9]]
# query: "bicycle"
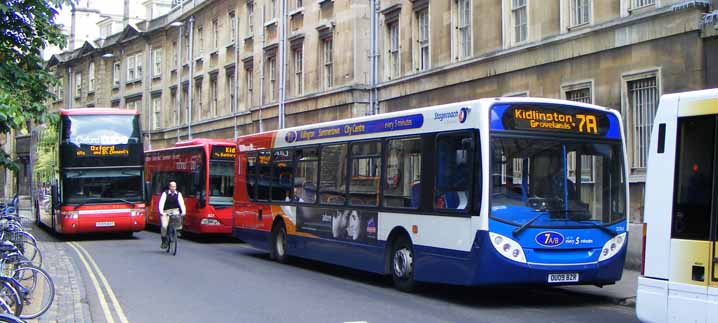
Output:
[[172, 232]]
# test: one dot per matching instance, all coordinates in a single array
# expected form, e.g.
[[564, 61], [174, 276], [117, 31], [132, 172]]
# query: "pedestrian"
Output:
[[171, 202]]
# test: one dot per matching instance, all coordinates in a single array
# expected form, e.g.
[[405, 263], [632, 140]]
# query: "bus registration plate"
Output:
[[105, 224], [563, 278]]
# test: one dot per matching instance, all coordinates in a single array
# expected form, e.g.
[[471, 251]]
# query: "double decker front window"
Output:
[[555, 183], [108, 185]]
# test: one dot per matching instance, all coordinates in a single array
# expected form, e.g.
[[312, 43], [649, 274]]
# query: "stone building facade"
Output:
[[241, 63]]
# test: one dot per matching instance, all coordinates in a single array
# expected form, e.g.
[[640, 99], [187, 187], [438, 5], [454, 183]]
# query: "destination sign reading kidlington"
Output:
[[224, 152], [552, 118], [357, 128]]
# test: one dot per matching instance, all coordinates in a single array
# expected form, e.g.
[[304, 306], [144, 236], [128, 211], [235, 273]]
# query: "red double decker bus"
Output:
[[95, 181], [204, 172]]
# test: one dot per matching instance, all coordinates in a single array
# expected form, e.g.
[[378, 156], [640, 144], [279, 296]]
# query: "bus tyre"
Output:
[[402, 264], [278, 250]]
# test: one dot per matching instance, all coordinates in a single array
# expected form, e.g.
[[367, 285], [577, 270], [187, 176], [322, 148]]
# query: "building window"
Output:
[[463, 27], [298, 71], [520, 21], [134, 105], [91, 77], [175, 107], [175, 55], [232, 26], [197, 97], [61, 89], [157, 62], [116, 69], [582, 95], [200, 40], [299, 4], [213, 96], [215, 34], [156, 107], [580, 12], [250, 18], [231, 90], [78, 85], [393, 54], [185, 41], [272, 71], [422, 43], [635, 4], [250, 80], [642, 104], [131, 68], [184, 111], [327, 62]]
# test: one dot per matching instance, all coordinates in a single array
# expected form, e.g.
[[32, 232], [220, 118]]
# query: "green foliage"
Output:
[[28, 26], [46, 154]]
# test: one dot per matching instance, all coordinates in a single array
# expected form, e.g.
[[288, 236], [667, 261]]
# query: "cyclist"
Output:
[[170, 202]]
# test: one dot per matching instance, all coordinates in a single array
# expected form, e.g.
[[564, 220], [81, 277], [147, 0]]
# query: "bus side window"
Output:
[[453, 171], [282, 175], [332, 186], [264, 177], [402, 187], [305, 175], [251, 175]]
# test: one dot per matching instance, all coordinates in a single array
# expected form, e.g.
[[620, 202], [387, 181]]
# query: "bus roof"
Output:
[[203, 141], [97, 111]]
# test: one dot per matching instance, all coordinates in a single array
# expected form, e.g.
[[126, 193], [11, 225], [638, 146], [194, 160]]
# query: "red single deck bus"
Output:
[[96, 177], [202, 168]]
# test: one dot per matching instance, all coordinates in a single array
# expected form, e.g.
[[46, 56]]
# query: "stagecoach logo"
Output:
[[291, 136], [549, 239], [460, 115]]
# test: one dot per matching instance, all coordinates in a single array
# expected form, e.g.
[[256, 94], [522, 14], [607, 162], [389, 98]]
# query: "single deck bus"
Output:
[[91, 180], [487, 192], [204, 172], [679, 278]]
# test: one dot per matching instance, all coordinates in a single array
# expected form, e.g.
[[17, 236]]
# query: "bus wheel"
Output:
[[278, 249], [402, 265]]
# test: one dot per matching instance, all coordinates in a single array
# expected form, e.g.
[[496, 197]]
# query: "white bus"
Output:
[[679, 279]]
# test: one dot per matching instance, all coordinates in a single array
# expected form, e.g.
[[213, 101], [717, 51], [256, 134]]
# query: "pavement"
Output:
[[325, 286]]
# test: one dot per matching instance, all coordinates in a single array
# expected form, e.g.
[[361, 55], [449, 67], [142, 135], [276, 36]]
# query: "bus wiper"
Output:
[[602, 228], [102, 200], [523, 227]]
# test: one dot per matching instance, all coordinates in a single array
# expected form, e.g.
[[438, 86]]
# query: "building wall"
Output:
[[615, 43]]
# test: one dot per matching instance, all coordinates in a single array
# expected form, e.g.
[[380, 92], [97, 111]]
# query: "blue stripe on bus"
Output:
[[483, 265]]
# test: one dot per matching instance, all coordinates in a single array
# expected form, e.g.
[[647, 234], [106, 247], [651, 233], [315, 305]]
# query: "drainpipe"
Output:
[[373, 101], [68, 93], [179, 79], [282, 61], [146, 96], [236, 73], [261, 70], [191, 78]]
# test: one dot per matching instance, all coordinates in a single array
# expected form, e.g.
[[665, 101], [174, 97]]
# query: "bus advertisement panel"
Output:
[[97, 185], [493, 191], [204, 172]]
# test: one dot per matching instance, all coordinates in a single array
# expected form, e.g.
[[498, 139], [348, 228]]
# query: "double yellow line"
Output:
[[93, 270]]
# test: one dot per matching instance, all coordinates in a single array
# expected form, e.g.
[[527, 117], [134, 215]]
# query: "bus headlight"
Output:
[[137, 212], [612, 247], [209, 222], [507, 247]]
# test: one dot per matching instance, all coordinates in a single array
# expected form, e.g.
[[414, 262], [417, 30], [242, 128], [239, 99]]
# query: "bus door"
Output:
[[694, 234]]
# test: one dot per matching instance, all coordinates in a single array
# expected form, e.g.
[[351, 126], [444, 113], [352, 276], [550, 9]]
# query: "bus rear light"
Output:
[[612, 247], [507, 247]]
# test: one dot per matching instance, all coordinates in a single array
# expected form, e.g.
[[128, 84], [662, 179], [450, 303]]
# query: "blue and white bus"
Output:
[[488, 192]]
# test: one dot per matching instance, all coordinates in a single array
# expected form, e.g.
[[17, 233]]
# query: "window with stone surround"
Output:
[[641, 102]]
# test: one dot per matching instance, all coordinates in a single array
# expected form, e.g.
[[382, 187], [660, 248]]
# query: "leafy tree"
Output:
[[28, 26]]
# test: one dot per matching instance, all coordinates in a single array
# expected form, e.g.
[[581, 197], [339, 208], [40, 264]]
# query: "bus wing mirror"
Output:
[[148, 192], [201, 199]]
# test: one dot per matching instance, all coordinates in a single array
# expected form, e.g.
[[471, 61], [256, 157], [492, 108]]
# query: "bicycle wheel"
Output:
[[40, 291], [31, 252], [170, 234], [10, 318], [174, 242], [10, 302]]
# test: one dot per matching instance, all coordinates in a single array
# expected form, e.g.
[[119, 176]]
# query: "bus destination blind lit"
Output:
[[553, 119], [224, 152], [103, 151]]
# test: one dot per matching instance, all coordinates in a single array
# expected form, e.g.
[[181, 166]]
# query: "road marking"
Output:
[[113, 298], [356, 322], [100, 294]]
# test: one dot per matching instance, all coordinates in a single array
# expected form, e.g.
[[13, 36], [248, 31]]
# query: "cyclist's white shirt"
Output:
[[180, 199]]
